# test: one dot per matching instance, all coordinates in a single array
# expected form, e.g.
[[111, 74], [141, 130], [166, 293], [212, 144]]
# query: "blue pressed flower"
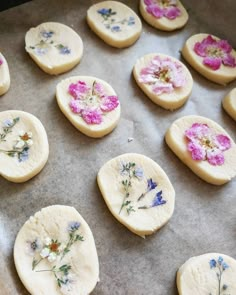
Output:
[[46, 34], [138, 173], [65, 50], [131, 21], [73, 226], [220, 260], [24, 155], [158, 201], [225, 265], [116, 29], [104, 11], [151, 185], [40, 51], [8, 123], [212, 263]]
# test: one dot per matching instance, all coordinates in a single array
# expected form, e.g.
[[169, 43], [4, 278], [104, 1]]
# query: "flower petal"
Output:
[[155, 10], [78, 89], [92, 116], [197, 151], [229, 60], [213, 62], [225, 46], [215, 157], [109, 103], [172, 12], [75, 106], [224, 143]]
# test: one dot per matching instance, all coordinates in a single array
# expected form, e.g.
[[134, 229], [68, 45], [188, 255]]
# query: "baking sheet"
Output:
[[205, 215]]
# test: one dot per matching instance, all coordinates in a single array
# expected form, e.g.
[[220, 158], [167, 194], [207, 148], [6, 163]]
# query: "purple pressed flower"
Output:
[[1, 61], [8, 123], [158, 201], [46, 34], [65, 50], [212, 263], [24, 155], [115, 29], [151, 185], [91, 102], [163, 74], [215, 52], [204, 144], [138, 173], [104, 11], [163, 8], [73, 226]]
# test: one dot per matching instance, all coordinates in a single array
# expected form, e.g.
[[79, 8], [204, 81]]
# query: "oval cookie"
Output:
[[205, 147], [115, 23], [137, 192], [54, 47], [215, 59], [167, 15], [90, 104], [164, 79], [229, 103], [210, 273], [23, 146], [4, 75], [55, 253]]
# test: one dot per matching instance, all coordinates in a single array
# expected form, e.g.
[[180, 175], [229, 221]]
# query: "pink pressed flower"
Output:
[[92, 116], [163, 74], [75, 106], [78, 89], [1, 61], [109, 103], [90, 103], [204, 144], [215, 52], [163, 8]]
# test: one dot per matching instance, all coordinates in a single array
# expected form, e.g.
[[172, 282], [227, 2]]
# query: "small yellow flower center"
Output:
[[163, 74], [215, 52], [207, 143]]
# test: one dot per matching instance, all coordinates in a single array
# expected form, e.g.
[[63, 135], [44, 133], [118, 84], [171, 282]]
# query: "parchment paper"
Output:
[[205, 215]]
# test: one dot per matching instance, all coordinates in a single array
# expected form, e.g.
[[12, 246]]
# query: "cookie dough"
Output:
[[4, 75], [115, 23], [166, 15], [215, 59], [23, 146], [55, 253], [90, 104], [54, 47], [164, 79], [210, 273], [229, 103], [138, 193], [205, 147]]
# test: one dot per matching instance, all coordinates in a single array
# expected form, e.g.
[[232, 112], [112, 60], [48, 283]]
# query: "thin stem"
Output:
[[220, 275], [35, 264], [142, 196], [43, 270]]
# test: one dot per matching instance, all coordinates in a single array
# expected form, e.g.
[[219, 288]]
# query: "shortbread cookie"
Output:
[[55, 253], [54, 47], [115, 23], [166, 15], [23, 146], [229, 103], [215, 59], [137, 192], [90, 104], [164, 79], [4, 75], [208, 274], [205, 147]]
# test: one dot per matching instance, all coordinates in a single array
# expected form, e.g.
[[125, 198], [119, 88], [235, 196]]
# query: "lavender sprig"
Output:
[[221, 266]]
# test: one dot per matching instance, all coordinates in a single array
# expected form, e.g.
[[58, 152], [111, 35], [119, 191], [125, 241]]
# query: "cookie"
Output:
[[164, 79], [229, 103], [210, 273], [212, 57], [138, 193], [4, 75], [55, 253], [205, 147], [90, 104], [55, 47], [166, 15], [115, 23], [23, 146]]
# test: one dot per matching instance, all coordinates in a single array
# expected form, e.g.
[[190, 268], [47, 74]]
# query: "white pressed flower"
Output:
[[30, 142], [45, 252], [47, 241], [52, 257], [30, 134], [19, 144]]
